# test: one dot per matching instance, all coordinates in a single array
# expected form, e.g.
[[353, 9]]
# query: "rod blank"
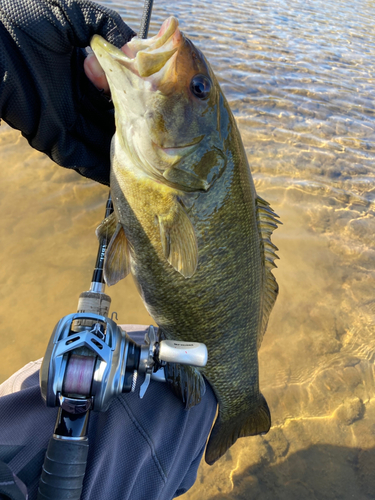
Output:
[[146, 18]]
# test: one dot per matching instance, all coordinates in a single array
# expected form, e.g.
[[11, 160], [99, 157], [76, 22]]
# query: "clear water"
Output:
[[299, 76]]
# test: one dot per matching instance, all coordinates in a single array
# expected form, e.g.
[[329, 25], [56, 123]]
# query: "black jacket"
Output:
[[43, 89]]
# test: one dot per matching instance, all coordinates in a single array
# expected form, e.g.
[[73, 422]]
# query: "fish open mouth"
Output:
[[158, 119], [144, 57]]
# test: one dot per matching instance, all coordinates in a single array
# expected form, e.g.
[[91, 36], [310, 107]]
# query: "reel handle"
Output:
[[186, 353]]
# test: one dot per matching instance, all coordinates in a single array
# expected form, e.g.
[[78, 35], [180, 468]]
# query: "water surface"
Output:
[[299, 77]]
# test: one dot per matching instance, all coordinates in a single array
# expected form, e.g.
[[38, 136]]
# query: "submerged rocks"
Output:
[[350, 411]]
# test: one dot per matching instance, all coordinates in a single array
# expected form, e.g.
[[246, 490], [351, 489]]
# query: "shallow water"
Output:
[[299, 77]]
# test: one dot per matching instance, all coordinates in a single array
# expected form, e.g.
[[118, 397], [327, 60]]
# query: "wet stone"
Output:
[[363, 228], [278, 442], [333, 173], [351, 377], [328, 346], [350, 411]]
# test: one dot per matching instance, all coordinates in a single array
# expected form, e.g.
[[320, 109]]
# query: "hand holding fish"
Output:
[[95, 73], [44, 91]]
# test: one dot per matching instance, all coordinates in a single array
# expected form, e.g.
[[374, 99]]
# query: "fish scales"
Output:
[[188, 224]]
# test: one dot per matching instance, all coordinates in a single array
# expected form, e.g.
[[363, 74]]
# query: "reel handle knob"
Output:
[[186, 353]]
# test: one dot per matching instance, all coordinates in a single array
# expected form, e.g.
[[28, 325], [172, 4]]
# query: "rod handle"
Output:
[[63, 469]]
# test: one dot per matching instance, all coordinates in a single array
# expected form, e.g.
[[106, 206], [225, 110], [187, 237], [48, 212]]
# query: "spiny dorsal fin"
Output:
[[179, 241], [117, 257], [267, 223]]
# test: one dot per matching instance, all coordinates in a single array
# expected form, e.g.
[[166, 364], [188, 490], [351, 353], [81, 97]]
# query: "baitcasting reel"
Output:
[[90, 357], [89, 361]]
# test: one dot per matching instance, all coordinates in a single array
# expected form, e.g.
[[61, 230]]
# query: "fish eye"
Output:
[[200, 85]]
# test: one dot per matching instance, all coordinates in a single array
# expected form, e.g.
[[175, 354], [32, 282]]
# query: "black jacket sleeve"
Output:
[[43, 89]]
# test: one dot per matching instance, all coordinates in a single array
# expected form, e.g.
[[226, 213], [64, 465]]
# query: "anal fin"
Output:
[[225, 434], [186, 382]]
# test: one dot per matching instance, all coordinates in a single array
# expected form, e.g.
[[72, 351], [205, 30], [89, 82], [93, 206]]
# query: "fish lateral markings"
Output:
[[188, 223]]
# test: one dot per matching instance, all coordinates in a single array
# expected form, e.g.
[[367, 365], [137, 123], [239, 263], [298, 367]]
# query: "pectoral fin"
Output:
[[117, 258], [179, 241], [107, 228]]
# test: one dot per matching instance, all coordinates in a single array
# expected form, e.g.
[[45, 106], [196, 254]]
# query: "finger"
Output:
[[95, 73]]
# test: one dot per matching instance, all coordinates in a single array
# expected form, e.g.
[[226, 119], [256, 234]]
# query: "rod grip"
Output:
[[63, 469]]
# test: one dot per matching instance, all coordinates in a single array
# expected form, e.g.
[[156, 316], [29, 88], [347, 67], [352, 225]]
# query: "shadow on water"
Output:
[[317, 473]]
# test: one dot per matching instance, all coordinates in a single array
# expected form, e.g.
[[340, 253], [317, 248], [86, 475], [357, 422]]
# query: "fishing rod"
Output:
[[146, 18], [89, 361]]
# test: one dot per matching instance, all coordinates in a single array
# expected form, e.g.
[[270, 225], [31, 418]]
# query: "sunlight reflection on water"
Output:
[[299, 77]]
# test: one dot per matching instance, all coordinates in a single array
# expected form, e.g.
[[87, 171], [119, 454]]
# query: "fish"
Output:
[[188, 223]]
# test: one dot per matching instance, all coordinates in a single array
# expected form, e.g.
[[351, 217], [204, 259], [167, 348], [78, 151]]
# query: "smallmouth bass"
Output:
[[188, 224]]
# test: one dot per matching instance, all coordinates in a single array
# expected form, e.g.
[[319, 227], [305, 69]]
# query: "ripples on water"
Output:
[[299, 77]]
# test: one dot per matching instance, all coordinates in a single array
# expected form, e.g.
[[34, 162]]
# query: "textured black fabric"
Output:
[[43, 89], [8, 487]]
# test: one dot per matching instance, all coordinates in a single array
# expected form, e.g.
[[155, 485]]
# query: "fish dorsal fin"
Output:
[[178, 240], [267, 223], [117, 257]]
